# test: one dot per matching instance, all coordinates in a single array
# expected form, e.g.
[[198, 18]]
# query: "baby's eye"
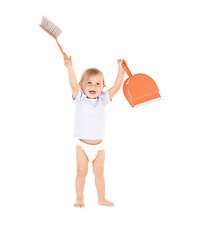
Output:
[[88, 82], [97, 83]]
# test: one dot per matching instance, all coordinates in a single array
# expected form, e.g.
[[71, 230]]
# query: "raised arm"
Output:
[[117, 85], [72, 78]]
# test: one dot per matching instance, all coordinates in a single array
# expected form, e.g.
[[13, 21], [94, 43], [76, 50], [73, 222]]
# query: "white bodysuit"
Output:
[[90, 116]]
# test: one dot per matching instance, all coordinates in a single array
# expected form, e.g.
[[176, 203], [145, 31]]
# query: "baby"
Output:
[[90, 102]]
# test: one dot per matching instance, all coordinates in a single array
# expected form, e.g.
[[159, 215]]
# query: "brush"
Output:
[[53, 31]]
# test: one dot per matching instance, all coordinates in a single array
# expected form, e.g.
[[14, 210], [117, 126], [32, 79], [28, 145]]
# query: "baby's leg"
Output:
[[82, 169], [98, 169]]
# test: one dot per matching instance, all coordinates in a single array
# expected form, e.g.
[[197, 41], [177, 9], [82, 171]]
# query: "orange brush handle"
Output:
[[65, 56], [125, 67]]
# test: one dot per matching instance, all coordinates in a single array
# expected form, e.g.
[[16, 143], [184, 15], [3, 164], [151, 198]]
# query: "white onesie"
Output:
[[90, 116]]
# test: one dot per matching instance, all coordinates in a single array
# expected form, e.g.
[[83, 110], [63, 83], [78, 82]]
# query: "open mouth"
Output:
[[92, 92]]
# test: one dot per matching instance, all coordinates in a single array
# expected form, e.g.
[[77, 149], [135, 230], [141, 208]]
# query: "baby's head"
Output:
[[92, 82]]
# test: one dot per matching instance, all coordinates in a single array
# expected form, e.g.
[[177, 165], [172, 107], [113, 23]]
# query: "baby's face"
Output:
[[93, 86]]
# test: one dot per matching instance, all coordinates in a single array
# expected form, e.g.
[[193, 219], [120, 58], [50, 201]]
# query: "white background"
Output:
[[152, 167]]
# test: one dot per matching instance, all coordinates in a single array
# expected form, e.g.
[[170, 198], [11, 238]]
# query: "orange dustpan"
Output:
[[139, 88]]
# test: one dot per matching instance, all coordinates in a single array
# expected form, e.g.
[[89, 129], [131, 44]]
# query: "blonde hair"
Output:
[[90, 72]]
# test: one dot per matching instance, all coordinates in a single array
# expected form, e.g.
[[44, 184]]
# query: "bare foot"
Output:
[[79, 203], [105, 202]]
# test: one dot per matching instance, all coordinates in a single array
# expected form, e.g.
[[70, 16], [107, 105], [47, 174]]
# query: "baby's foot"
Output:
[[79, 203], [105, 202]]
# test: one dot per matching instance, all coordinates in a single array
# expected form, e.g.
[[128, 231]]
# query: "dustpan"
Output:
[[139, 88]]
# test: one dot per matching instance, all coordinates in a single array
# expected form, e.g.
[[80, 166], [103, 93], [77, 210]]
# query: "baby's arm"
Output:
[[115, 88], [72, 78]]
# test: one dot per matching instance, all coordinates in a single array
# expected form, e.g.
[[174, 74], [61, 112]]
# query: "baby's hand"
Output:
[[68, 63], [119, 61]]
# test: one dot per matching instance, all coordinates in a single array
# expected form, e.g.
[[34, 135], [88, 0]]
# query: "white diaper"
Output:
[[90, 150]]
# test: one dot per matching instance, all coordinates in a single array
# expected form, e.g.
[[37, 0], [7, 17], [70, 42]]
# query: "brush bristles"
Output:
[[50, 27]]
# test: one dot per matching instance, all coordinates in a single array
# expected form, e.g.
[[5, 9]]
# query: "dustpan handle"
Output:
[[125, 67]]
